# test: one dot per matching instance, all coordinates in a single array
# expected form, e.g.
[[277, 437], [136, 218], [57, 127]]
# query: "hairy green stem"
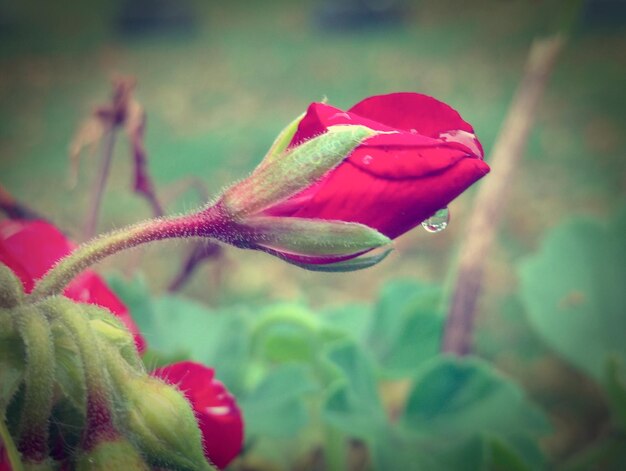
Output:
[[207, 223], [38, 383]]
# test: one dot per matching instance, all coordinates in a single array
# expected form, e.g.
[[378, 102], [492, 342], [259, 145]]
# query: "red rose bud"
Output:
[[31, 248], [163, 425], [409, 157], [215, 408]]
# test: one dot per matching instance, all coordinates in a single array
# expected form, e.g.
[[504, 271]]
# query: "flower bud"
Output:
[[163, 425], [389, 163], [11, 292], [112, 455], [295, 170]]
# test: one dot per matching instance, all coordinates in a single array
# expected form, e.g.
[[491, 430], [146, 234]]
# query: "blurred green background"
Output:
[[219, 80]]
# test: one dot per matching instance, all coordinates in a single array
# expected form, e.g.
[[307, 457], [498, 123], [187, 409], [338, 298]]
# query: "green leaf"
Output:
[[407, 326], [573, 289], [352, 404], [286, 332], [459, 400], [503, 458], [353, 320], [276, 406], [616, 389], [395, 450]]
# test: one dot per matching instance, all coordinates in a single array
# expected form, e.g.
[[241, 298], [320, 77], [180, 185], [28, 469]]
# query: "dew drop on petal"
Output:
[[438, 221], [367, 159]]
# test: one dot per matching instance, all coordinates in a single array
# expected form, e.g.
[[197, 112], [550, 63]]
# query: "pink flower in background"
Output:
[[31, 248], [218, 415]]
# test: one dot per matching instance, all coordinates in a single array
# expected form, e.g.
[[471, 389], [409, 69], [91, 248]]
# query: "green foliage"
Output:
[[573, 289], [306, 379], [460, 400], [406, 327], [353, 404], [616, 389], [276, 407]]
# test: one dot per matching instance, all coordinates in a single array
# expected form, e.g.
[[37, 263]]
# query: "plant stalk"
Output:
[[209, 222], [93, 214], [488, 207]]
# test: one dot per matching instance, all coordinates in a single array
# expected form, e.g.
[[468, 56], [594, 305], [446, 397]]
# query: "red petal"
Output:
[[427, 156], [36, 244], [17, 268], [409, 111], [219, 417], [320, 116], [392, 206]]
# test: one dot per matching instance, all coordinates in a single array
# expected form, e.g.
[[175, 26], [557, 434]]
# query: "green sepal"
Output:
[[110, 329], [355, 264], [11, 290], [34, 329], [12, 356], [295, 170], [313, 237], [69, 372], [282, 141]]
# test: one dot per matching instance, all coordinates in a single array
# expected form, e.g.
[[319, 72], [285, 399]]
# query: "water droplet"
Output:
[[413, 131], [367, 159], [438, 221]]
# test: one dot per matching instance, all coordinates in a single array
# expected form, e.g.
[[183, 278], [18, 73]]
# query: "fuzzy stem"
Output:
[[38, 383], [207, 223]]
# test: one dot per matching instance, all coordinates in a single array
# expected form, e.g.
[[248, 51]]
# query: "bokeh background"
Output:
[[219, 80]]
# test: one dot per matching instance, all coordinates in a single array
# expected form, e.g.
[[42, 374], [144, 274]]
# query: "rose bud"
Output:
[[31, 248], [323, 196], [215, 408]]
